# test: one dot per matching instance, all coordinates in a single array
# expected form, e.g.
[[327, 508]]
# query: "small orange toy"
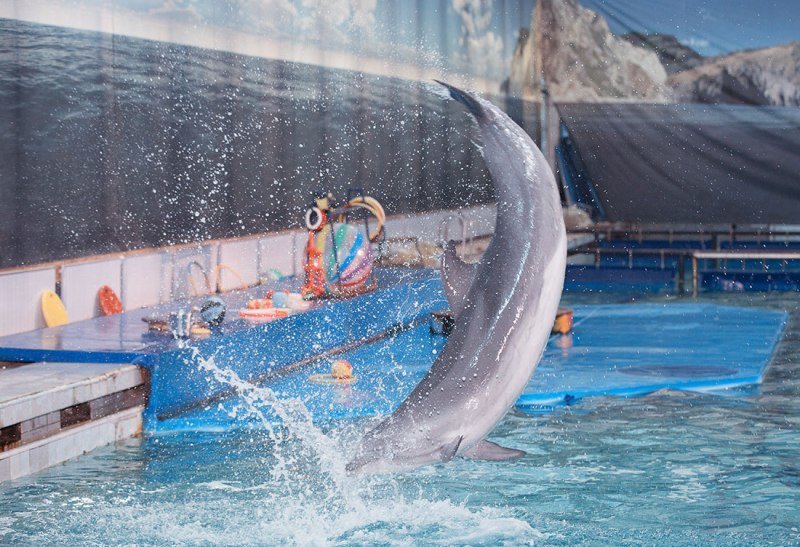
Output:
[[263, 314], [341, 373], [259, 304], [341, 370], [563, 322], [108, 301]]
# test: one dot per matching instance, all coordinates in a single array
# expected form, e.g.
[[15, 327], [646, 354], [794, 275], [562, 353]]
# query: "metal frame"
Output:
[[695, 255], [737, 255]]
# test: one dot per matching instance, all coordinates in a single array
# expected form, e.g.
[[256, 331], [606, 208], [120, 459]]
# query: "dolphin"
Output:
[[505, 306]]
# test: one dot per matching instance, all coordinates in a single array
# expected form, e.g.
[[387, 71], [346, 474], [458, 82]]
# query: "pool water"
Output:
[[670, 467]]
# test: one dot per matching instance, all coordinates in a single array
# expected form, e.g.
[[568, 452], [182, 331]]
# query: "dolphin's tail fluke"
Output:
[[466, 99]]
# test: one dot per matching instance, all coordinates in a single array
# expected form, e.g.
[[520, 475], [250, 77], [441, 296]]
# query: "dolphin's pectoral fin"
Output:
[[457, 277], [449, 450], [493, 452]]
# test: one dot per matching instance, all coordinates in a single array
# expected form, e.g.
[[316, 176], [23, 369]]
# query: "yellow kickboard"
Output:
[[53, 309]]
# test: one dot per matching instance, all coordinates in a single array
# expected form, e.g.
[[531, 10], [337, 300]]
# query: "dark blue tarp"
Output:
[[690, 163]]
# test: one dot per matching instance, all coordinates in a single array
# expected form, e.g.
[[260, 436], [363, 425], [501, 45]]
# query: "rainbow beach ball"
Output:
[[346, 255]]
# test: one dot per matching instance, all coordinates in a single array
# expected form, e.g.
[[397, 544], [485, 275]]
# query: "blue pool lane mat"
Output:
[[628, 350], [614, 350]]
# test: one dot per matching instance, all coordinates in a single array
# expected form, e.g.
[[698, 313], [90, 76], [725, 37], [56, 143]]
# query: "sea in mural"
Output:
[[110, 143]]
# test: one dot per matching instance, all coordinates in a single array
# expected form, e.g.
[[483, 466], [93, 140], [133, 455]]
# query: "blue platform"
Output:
[[614, 350], [252, 351], [628, 350]]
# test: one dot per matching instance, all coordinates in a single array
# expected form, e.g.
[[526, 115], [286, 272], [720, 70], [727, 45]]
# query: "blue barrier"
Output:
[[177, 382], [250, 350], [593, 279], [619, 350]]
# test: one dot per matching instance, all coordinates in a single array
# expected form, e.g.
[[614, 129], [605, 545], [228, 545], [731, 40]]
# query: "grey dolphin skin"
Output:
[[503, 323]]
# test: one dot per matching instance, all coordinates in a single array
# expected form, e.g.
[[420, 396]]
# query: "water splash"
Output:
[[298, 424], [318, 501]]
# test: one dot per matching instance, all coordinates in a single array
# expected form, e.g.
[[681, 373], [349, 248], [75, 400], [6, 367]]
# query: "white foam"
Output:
[[295, 521]]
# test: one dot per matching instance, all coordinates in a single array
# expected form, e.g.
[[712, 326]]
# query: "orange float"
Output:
[[563, 322], [109, 302], [263, 314]]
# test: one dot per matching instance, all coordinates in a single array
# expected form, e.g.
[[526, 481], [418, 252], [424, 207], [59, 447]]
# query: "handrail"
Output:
[[695, 255], [736, 255], [748, 255], [218, 277], [758, 230]]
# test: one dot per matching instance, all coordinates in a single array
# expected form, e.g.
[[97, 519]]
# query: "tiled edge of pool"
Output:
[[53, 412]]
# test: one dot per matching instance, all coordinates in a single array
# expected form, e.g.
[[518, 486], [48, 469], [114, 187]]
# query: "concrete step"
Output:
[[51, 412]]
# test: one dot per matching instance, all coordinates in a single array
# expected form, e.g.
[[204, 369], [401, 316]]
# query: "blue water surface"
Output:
[[670, 467]]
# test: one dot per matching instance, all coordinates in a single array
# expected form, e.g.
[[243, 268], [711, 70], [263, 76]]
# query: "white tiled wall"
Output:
[[278, 252], [479, 221], [69, 444], [80, 283], [20, 298], [242, 256], [146, 279]]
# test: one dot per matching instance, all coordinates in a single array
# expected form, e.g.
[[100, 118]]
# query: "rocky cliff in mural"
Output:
[[523, 80], [769, 76], [582, 60], [674, 55], [573, 49]]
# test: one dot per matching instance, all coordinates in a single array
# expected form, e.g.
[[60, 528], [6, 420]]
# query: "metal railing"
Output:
[[682, 256], [738, 255], [676, 232]]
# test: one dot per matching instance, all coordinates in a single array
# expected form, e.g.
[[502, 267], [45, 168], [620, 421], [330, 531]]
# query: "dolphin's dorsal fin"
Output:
[[457, 277], [448, 451], [487, 450]]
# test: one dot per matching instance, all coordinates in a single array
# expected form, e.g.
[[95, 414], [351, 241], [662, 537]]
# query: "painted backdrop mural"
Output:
[[136, 123]]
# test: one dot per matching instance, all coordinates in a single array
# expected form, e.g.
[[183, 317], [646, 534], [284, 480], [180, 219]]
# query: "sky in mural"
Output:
[[469, 37], [710, 27]]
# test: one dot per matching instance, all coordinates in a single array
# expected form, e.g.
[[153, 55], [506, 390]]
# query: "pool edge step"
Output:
[[53, 412], [70, 443]]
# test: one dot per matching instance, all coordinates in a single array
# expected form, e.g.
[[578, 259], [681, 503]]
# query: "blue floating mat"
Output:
[[614, 350], [630, 350]]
